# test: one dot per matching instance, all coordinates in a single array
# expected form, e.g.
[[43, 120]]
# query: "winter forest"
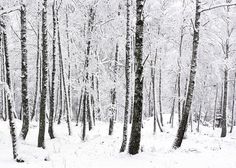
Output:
[[117, 83]]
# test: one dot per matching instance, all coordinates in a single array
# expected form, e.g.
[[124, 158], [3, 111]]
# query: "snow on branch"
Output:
[[218, 6], [6, 11]]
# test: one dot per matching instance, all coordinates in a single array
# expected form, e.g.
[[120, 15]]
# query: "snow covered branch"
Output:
[[13, 9], [218, 6]]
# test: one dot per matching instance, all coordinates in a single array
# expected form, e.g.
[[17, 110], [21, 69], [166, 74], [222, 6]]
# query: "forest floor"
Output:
[[205, 149]]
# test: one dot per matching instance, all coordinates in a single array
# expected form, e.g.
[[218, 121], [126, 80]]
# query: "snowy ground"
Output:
[[204, 149]]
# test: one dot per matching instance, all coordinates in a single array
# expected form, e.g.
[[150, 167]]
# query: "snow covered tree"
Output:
[[24, 74], [135, 136], [43, 108]]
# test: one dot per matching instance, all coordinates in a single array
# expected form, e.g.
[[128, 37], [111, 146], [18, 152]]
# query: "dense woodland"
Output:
[[82, 62]]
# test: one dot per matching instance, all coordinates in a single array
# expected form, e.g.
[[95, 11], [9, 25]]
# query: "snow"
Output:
[[205, 149]]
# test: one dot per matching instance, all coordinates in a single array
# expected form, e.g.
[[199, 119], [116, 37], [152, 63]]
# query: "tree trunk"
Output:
[[155, 116], [113, 94], [135, 137], [10, 100], [232, 110], [79, 110], [127, 77], [160, 94], [215, 107], [67, 106], [183, 124], [41, 140], [24, 75], [61, 99], [52, 93], [37, 72], [84, 115]]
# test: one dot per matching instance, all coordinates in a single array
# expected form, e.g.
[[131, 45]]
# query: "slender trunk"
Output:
[[92, 98], [127, 77], [69, 62], [183, 124], [113, 94], [84, 115], [199, 117], [155, 116], [37, 72], [52, 92], [68, 109], [61, 99], [160, 94], [79, 110], [232, 110], [215, 107], [227, 52], [172, 116]]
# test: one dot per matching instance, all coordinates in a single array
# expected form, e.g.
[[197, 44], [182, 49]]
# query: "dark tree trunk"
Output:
[[113, 94], [67, 106], [183, 124], [37, 72], [79, 110], [135, 137], [233, 103], [92, 99], [41, 139], [24, 74], [10, 102], [225, 97], [52, 93], [215, 107], [224, 108], [155, 116], [160, 94], [84, 115], [61, 99]]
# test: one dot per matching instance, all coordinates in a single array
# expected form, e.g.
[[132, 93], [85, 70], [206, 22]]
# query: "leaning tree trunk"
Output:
[[155, 116], [184, 121], [135, 137], [232, 110], [68, 109], [10, 103], [37, 72], [127, 77], [52, 93], [41, 139], [24, 75]]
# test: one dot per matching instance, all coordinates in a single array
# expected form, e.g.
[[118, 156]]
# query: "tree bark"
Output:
[[233, 103], [67, 106], [52, 93], [135, 137], [183, 124], [10, 100], [127, 77], [37, 71], [113, 94], [41, 139]]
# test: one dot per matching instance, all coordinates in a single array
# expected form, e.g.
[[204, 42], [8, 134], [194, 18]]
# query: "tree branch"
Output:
[[218, 6], [13, 9]]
